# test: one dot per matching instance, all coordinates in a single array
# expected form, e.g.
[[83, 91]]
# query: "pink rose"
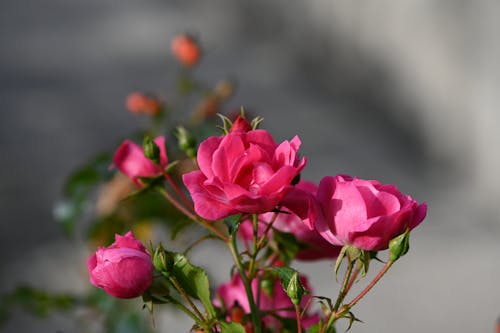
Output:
[[123, 269], [299, 199], [364, 213], [130, 160], [242, 172], [232, 294]]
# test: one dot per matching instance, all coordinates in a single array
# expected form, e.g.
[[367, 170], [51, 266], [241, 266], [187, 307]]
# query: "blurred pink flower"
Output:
[[232, 293]]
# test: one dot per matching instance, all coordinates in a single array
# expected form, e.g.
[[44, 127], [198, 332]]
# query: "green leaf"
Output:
[[399, 246], [231, 327], [193, 280], [78, 189]]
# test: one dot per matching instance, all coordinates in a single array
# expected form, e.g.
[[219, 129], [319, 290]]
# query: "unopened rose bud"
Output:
[[161, 260], [240, 124], [187, 142], [236, 313], [123, 269], [295, 290], [224, 89], [186, 50], [143, 103], [399, 246]]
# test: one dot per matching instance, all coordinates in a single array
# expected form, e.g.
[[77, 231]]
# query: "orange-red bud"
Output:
[[236, 313], [142, 103], [241, 124], [186, 50]]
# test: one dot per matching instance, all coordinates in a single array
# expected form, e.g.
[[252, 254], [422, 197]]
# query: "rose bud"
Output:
[[131, 160], [142, 103], [242, 172], [123, 269], [186, 50], [364, 213]]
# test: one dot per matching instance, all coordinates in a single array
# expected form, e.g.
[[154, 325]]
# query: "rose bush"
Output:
[[123, 269], [364, 213], [244, 171]]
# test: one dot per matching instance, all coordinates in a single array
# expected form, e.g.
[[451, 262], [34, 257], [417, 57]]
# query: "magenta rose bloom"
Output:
[[242, 172], [232, 294], [130, 160], [364, 213], [123, 269], [299, 200]]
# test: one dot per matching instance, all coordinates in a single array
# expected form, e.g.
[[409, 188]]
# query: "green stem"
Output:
[[254, 311], [297, 317], [343, 289], [185, 296], [181, 306], [198, 242], [341, 296], [253, 257], [269, 226], [338, 313], [192, 216], [370, 286]]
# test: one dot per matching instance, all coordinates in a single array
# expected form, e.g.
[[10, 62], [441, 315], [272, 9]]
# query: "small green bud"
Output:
[[187, 143], [399, 246], [151, 150], [161, 260], [295, 290]]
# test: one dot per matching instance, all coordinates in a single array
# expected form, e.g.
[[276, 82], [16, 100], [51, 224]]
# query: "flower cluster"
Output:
[[250, 182]]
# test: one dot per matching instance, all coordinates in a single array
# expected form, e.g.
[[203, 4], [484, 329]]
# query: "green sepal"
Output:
[[399, 246], [352, 319], [151, 150], [226, 123], [255, 123], [162, 260]]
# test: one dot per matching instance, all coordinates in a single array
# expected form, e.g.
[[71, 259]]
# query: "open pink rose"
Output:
[[300, 199], [242, 172], [364, 213], [232, 293], [123, 269], [130, 160]]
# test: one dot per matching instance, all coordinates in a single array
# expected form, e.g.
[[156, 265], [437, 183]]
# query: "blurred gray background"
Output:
[[402, 91]]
